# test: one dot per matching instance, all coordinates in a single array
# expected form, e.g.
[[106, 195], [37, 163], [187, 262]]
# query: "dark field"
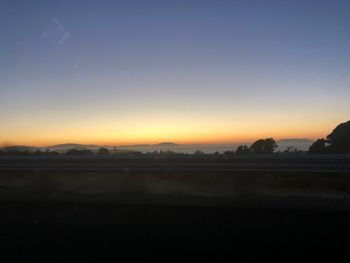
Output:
[[287, 162], [245, 207]]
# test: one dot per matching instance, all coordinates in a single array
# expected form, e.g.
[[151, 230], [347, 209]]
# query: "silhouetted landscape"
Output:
[[131, 198], [337, 142], [182, 130], [283, 145]]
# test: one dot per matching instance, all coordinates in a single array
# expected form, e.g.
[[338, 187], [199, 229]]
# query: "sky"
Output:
[[129, 72]]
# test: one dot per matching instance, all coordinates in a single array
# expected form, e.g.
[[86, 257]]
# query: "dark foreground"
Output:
[[32, 231], [290, 209]]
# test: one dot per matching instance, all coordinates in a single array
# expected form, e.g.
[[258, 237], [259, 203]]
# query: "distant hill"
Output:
[[300, 144], [62, 148], [19, 148]]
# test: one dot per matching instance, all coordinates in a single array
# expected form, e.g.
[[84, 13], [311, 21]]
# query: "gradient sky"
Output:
[[124, 72]]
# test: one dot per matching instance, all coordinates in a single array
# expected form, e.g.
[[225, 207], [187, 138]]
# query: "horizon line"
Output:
[[142, 144]]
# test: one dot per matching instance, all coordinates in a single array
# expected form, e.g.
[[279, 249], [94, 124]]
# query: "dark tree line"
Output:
[[336, 142], [262, 146]]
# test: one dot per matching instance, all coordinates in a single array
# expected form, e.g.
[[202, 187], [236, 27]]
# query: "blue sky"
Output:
[[187, 71]]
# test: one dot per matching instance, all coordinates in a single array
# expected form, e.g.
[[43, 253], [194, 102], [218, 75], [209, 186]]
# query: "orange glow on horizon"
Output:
[[158, 130], [193, 140]]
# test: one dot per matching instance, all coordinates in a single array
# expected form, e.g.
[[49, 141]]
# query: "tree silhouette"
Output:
[[318, 146], [242, 149], [337, 142], [79, 152], [103, 151], [198, 152], [264, 146], [339, 139]]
